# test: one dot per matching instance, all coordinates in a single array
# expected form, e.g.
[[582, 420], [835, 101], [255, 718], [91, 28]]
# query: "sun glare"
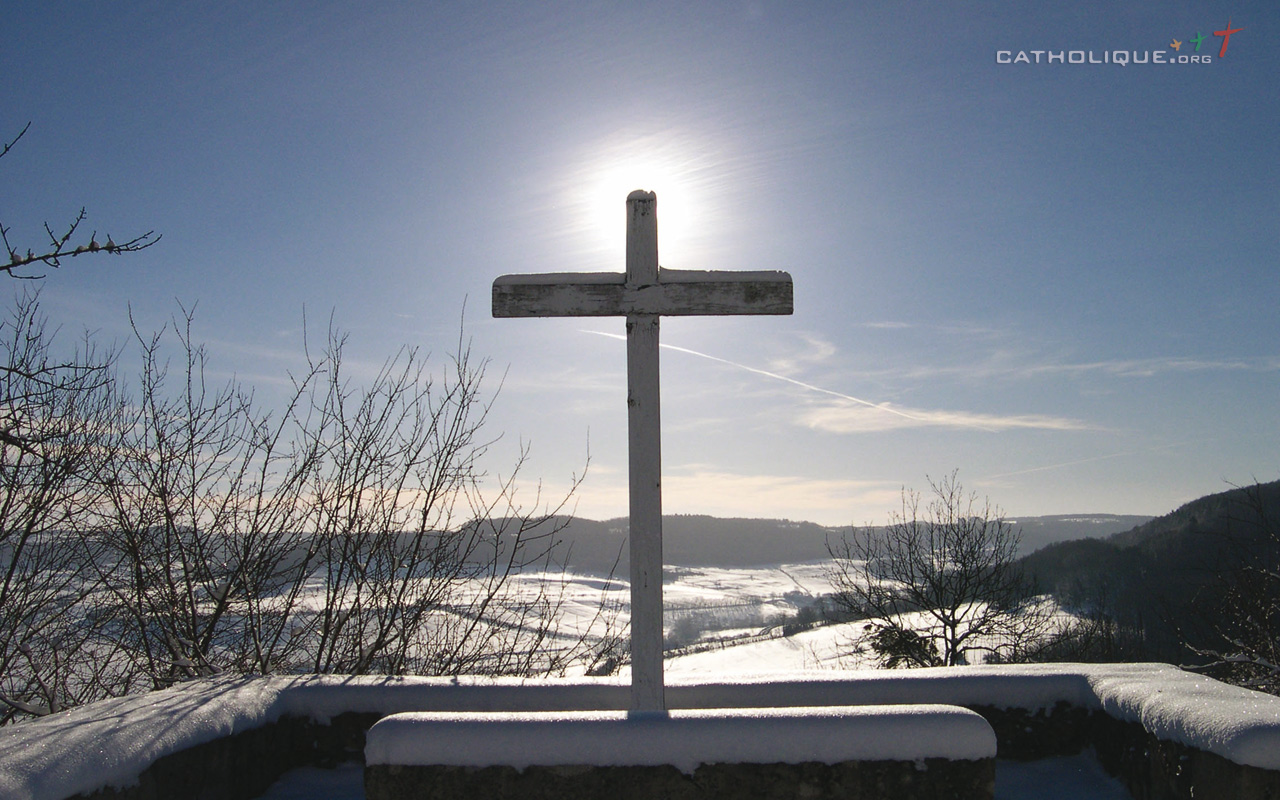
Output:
[[598, 198], [676, 205]]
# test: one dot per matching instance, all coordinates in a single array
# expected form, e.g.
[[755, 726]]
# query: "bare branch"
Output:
[[60, 245], [14, 140]]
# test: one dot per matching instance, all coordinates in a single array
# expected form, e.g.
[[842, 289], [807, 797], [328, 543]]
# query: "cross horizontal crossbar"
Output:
[[677, 293], [643, 294]]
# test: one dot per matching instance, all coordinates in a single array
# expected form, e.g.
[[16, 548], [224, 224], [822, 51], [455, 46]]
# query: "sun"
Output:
[[677, 201], [598, 197]]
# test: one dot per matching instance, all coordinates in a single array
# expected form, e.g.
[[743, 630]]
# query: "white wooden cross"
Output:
[[643, 294]]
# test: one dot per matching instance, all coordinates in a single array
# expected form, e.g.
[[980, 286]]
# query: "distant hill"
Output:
[[699, 541], [1225, 512], [1038, 532], [1179, 545], [694, 540], [1160, 577], [1156, 576]]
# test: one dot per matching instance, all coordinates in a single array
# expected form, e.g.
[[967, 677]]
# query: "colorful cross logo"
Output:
[[1226, 37], [1199, 39]]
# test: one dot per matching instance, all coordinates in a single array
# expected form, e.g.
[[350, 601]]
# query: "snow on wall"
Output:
[[684, 739], [1238, 724], [1032, 687], [559, 278], [112, 742], [323, 697]]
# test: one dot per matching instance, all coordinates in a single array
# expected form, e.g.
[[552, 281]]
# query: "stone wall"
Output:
[[243, 766], [1023, 735], [274, 714], [1154, 769], [933, 779]]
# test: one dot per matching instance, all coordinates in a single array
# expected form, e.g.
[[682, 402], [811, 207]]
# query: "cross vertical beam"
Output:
[[642, 294], [644, 447]]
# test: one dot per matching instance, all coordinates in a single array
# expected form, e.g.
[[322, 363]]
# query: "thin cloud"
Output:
[[1120, 368], [818, 351], [959, 329], [867, 416], [696, 489], [702, 489], [1150, 367], [845, 419]]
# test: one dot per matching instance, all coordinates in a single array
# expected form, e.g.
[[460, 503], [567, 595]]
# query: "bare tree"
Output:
[[179, 532], [54, 413], [200, 519], [1091, 633], [938, 582], [354, 532], [417, 553], [182, 531], [62, 241]]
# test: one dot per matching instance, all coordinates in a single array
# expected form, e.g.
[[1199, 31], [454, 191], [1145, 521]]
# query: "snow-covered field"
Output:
[[720, 599], [725, 621]]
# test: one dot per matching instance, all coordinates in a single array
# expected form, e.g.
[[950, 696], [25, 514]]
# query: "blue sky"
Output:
[[1061, 278]]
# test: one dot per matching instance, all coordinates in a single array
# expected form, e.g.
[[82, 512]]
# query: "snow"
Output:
[[682, 738], [1032, 687], [560, 278], [834, 646], [719, 276], [684, 587], [110, 743], [1237, 724], [323, 697]]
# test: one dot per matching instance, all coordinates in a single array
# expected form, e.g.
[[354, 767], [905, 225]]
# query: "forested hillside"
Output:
[[1182, 584]]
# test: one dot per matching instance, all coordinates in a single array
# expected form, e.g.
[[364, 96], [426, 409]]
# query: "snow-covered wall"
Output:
[[111, 743], [684, 738]]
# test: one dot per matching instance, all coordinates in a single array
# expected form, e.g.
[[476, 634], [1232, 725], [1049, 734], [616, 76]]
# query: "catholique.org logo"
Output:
[[1123, 58]]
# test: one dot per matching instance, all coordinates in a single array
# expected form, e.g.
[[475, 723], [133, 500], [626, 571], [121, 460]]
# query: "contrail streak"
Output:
[[1086, 460], [1058, 466], [880, 406]]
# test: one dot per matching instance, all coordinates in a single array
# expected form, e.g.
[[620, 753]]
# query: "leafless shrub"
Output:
[[355, 532], [51, 421], [950, 563]]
